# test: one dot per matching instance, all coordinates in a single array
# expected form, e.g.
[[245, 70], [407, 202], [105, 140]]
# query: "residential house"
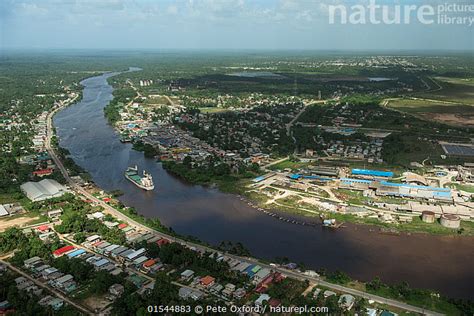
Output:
[[262, 298], [54, 302], [187, 275], [346, 301], [207, 281], [55, 214], [116, 289]]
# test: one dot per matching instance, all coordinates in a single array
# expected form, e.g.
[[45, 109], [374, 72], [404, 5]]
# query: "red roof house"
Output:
[[43, 172], [207, 281], [97, 243], [267, 280], [122, 226], [61, 251], [149, 263], [274, 302], [262, 287], [43, 228], [162, 241], [278, 277]]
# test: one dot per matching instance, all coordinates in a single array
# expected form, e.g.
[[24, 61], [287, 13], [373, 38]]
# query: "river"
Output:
[[440, 263]]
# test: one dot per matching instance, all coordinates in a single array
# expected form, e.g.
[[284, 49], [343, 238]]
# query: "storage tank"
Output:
[[428, 217], [450, 221]]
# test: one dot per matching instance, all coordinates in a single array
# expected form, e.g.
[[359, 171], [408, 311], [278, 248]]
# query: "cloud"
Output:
[[172, 9], [195, 11], [201, 23]]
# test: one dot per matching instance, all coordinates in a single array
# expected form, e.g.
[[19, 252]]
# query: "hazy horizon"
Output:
[[264, 25], [229, 50]]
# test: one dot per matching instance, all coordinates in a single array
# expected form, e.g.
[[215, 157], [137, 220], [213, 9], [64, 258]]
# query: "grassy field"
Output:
[[352, 197], [453, 89], [293, 165], [417, 226], [293, 206], [212, 110], [6, 198], [435, 228], [416, 149], [354, 164], [463, 81], [456, 114], [291, 210], [157, 100], [357, 197], [464, 187], [423, 106], [421, 300]]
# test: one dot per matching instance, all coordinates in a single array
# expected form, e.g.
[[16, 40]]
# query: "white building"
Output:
[[43, 190]]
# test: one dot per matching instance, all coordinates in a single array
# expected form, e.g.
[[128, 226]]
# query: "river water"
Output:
[[440, 263]]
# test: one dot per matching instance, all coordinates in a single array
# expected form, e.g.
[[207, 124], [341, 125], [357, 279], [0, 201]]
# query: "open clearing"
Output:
[[157, 99], [212, 110], [6, 223], [465, 81], [96, 303], [449, 113], [452, 89]]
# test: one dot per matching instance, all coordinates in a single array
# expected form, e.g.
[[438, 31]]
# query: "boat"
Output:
[[144, 182], [331, 223]]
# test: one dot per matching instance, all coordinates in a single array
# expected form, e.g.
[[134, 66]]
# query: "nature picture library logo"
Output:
[[393, 12]]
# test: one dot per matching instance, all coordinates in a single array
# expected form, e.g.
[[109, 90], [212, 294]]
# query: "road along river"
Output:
[[440, 263]]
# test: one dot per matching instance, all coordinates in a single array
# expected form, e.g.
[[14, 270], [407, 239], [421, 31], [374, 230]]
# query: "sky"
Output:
[[218, 24]]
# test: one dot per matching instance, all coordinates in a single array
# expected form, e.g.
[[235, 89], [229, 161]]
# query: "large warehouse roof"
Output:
[[43, 190], [374, 173], [3, 211]]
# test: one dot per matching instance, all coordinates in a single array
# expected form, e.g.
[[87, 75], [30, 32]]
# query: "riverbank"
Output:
[[403, 291], [238, 185], [228, 183], [131, 212], [213, 217], [425, 299], [218, 174], [416, 226]]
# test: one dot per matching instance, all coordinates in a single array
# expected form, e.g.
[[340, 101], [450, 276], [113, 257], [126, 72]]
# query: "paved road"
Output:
[[110, 210], [127, 268], [49, 289], [290, 124]]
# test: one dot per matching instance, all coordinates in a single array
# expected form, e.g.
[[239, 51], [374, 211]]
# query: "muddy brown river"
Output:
[[440, 263]]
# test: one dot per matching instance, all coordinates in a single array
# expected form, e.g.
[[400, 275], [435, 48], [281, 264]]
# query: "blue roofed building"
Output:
[[259, 179], [76, 253], [248, 270], [372, 173], [386, 188], [100, 263]]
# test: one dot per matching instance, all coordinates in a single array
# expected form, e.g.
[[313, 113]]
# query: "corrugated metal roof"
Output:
[[44, 189], [140, 260], [135, 254], [3, 211], [376, 173], [101, 262], [111, 247], [76, 253]]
